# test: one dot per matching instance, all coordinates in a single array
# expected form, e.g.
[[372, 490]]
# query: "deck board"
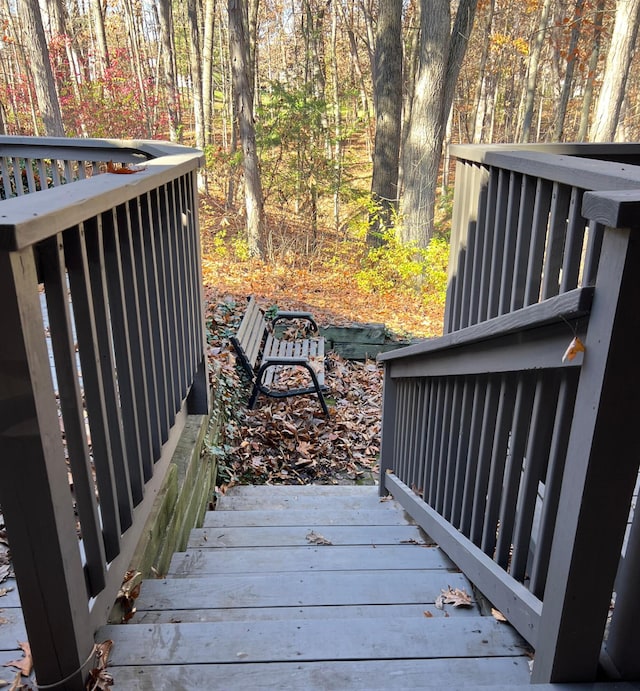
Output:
[[303, 535], [310, 558], [252, 604]]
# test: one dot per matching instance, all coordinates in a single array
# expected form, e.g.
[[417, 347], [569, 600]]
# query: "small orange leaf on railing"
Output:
[[121, 170], [576, 346]]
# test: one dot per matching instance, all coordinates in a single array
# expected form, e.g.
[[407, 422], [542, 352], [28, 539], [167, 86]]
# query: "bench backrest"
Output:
[[250, 335]]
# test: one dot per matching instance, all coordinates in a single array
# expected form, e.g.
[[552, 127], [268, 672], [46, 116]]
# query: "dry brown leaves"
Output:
[[289, 440], [458, 597]]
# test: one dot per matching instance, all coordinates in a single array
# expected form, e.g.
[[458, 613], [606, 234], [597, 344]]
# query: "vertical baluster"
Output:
[[572, 259], [426, 459], [489, 422], [17, 175], [469, 462], [175, 243], [553, 254], [6, 179], [492, 272], [514, 467], [93, 384], [536, 459], [432, 433], [53, 275], [538, 241], [422, 424], [28, 177], [414, 426], [389, 432], [142, 257], [168, 296], [483, 244], [119, 307], [447, 418], [595, 236], [528, 196], [152, 239], [456, 255], [456, 439], [42, 172], [553, 482]]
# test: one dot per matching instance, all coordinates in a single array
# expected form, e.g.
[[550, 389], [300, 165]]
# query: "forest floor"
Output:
[[289, 440]]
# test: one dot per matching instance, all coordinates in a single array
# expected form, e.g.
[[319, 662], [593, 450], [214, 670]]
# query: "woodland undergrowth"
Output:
[[290, 441]]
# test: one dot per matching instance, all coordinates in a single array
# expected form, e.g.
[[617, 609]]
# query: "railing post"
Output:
[[389, 405], [34, 491], [601, 464]]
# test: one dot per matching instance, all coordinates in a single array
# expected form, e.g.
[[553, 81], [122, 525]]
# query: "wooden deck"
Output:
[[256, 603]]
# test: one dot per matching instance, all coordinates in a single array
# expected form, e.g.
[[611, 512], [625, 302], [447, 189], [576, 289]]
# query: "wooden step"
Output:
[[306, 534], [311, 640], [299, 588], [316, 587], [204, 562]]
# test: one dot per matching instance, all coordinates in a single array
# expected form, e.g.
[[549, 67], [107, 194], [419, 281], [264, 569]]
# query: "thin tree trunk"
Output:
[[572, 58], [101, 36], [614, 81], [592, 66], [532, 71], [243, 97], [196, 77], [479, 100], [40, 66], [207, 68], [388, 103], [441, 52], [171, 89]]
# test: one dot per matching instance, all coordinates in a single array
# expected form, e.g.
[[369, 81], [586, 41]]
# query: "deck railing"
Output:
[[101, 359], [519, 462]]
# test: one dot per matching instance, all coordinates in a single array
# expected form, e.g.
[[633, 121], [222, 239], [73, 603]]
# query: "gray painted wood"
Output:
[[302, 535], [299, 588], [203, 562], [338, 676], [312, 640], [361, 502], [298, 617], [293, 517], [337, 612], [11, 628]]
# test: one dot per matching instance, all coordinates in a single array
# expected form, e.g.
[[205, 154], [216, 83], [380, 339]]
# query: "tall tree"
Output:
[[387, 97], [442, 49], [612, 91], [596, 45], [243, 97], [101, 36], [165, 22], [196, 78], [44, 83], [532, 71], [207, 67]]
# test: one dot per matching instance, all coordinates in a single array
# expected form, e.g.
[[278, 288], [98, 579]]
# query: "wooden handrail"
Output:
[[116, 258]]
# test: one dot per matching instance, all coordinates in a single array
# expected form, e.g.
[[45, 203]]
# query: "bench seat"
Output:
[[280, 367]]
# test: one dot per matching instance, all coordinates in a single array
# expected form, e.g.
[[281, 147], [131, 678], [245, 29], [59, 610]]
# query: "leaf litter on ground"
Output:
[[290, 441]]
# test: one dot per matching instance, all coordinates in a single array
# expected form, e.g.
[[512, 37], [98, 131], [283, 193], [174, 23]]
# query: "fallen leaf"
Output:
[[25, 665], [99, 679], [428, 614], [498, 615], [411, 541], [439, 603], [457, 597], [317, 539], [4, 591], [5, 572]]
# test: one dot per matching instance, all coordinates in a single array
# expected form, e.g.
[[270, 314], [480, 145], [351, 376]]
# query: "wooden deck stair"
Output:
[[256, 602]]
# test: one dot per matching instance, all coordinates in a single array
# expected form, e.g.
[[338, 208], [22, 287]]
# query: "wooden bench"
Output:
[[266, 358]]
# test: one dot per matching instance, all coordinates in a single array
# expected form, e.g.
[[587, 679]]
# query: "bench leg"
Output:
[[257, 387]]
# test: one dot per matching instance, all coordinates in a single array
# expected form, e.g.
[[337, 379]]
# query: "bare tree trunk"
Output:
[[567, 85], [479, 100], [592, 65], [166, 29], [40, 65], [614, 81], [388, 104], [532, 71], [243, 97], [101, 36], [441, 53], [196, 77], [337, 124], [207, 68]]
